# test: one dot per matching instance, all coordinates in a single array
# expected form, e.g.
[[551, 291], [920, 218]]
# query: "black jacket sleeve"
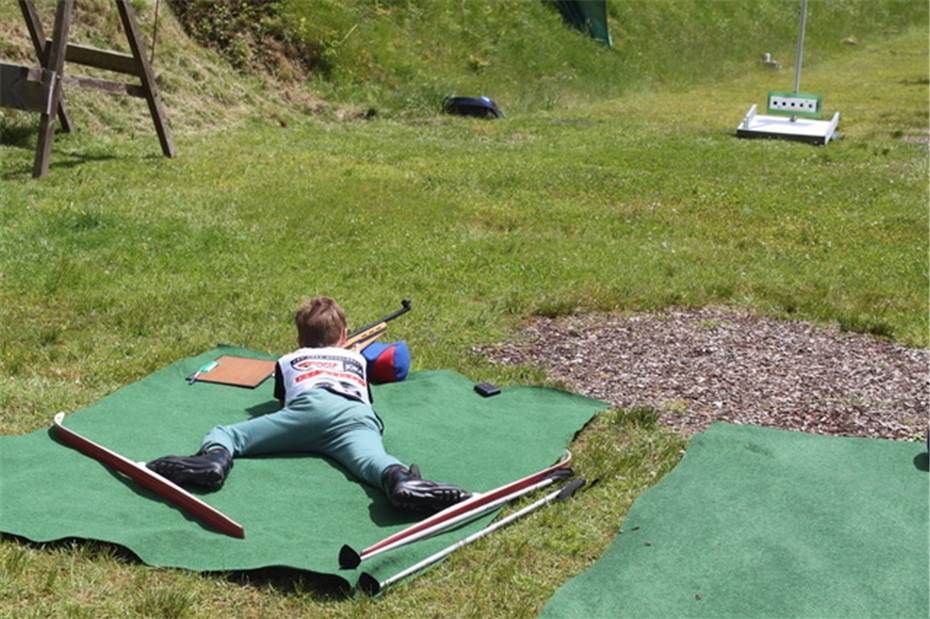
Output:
[[278, 383]]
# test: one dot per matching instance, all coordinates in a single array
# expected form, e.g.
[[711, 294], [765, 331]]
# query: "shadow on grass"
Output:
[[291, 581], [18, 136], [284, 580], [58, 161]]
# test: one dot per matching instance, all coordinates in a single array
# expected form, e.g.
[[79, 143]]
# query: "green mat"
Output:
[[297, 510], [756, 522]]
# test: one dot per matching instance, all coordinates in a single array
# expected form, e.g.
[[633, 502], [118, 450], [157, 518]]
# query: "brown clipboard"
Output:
[[238, 372]]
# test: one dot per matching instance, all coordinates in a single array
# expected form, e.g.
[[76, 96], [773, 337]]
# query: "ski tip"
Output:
[[348, 558], [570, 488], [369, 584], [59, 417]]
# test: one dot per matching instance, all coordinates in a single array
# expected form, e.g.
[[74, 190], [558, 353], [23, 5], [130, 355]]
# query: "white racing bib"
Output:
[[336, 369]]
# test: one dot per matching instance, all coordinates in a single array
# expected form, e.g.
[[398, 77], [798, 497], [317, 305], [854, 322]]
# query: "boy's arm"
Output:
[[279, 384]]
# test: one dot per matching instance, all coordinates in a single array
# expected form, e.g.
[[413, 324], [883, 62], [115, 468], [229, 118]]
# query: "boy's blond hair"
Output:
[[320, 322]]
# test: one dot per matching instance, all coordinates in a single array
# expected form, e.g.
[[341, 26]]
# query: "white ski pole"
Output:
[[372, 586]]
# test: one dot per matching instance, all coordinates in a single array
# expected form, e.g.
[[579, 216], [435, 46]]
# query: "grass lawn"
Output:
[[121, 262]]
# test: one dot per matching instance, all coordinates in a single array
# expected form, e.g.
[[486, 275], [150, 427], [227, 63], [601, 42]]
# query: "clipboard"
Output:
[[238, 372]]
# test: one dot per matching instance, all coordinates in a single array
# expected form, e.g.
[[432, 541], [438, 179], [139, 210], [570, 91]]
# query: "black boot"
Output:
[[408, 491], [207, 469]]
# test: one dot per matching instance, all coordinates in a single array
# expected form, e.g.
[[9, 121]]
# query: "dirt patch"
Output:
[[723, 364], [916, 139]]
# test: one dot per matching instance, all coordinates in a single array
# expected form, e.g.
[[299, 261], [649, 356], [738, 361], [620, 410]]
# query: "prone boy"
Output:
[[325, 409]]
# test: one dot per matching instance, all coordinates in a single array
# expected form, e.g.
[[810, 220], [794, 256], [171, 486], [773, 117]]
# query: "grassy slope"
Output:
[[201, 91], [108, 271], [401, 58], [405, 56]]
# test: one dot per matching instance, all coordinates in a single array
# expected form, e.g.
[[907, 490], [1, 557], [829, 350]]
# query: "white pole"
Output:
[[461, 518], [474, 536], [562, 493], [799, 52]]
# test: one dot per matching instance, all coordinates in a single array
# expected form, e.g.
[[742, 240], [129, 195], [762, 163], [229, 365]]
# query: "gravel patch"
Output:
[[724, 364]]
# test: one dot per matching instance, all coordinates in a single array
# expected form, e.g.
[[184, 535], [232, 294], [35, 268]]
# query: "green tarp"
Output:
[[589, 16], [757, 522], [297, 510]]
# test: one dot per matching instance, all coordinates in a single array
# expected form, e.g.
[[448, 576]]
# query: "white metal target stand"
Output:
[[794, 115]]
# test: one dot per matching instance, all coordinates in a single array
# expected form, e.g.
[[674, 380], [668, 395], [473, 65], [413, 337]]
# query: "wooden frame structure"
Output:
[[40, 88]]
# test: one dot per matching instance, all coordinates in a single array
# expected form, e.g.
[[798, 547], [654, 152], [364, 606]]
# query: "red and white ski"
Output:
[[168, 490], [454, 515]]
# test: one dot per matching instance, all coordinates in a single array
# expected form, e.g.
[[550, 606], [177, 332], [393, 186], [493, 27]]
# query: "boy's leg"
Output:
[[292, 429], [355, 442], [360, 449]]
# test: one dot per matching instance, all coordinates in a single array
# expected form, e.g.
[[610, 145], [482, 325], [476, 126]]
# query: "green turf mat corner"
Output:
[[757, 522], [297, 510]]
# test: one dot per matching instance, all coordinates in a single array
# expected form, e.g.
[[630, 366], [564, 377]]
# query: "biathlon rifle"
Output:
[[365, 335]]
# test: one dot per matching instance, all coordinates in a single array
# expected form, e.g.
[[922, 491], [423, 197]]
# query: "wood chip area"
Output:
[[723, 364]]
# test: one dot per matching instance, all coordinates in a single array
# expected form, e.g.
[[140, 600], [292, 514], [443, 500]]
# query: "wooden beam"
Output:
[[127, 16], [25, 88], [116, 88], [54, 62], [34, 25], [102, 59]]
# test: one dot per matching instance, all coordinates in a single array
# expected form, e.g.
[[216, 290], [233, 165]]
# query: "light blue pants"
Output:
[[318, 421]]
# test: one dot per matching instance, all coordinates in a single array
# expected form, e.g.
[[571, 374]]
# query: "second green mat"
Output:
[[756, 522], [297, 510]]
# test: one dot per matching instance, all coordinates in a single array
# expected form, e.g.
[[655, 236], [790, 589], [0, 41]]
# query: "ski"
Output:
[[372, 586], [349, 558], [150, 480]]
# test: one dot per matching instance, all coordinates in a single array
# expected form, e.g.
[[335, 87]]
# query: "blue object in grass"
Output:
[[482, 107]]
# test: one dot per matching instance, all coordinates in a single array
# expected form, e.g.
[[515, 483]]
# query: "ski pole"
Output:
[[350, 558], [465, 517], [372, 586]]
